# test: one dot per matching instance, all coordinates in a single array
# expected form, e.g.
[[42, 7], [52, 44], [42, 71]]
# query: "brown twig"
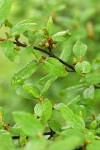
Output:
[[18, 43]]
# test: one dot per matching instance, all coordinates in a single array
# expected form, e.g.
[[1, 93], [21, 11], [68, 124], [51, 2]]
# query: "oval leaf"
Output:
[[29, 125], [54, 67], [83, 67], [5, 6], [43, 110], [61, 36], [79, 48], [72, 119], [23, 26], [24, 73]]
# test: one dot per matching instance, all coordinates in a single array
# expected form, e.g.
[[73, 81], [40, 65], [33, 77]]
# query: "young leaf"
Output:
[[43, 110], [23, 26], [6, 142], [72, 119], [83, 67], [92, 79], [8, 49], [43, 80], [61, 36], [47, 85], [54, 67], [49, 25], [79, 49], [89, 92], [33, 90], [66, 52], [5, 6], [23, 93], [24, 73], [29, 125]]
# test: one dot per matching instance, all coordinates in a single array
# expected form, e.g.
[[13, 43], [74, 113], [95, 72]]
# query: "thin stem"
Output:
[[18, 43]]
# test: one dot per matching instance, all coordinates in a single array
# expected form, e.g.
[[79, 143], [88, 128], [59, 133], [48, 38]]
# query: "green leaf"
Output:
[[23, 26], [93, 124], [89, 135], [38, 144], [74, 101], [95, 145], [8, 49], [43, 110], [55, 126], [49, 25], [47, 85], [54, 67], [61, 36], [5, 6], [89, 92], [28, 123], [73, 133], [68, 94], [66, 52], [44, 79], [72, 119], [6, 142], [68, 143], [96, 64], [79, 49], [24, 73], [83, 67], [92, 78], [78, 109], [33, 90], [23, 93]]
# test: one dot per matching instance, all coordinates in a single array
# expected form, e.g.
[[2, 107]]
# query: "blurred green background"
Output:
[[82, 18]]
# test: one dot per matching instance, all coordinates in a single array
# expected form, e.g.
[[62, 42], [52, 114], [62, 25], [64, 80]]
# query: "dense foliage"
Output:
[[57, 78]]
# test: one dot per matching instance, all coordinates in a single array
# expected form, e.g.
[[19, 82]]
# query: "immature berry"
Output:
[[46, 44], [54, 46], [75, 60]]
